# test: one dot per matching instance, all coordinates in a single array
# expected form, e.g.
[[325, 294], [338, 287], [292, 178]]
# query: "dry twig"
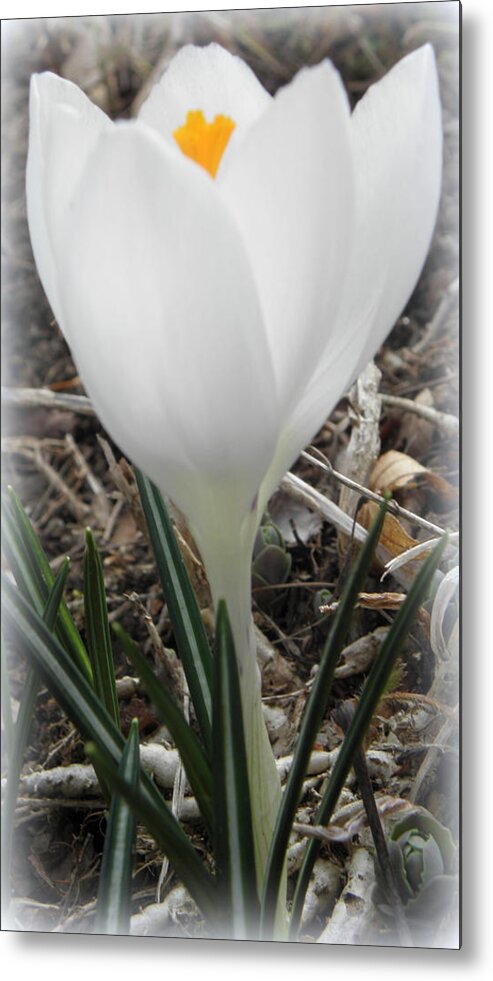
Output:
[[392, 506], [447, 424], [34, 398], [364, 443], [32, 449]]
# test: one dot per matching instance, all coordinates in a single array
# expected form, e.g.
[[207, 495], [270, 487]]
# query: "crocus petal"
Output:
[[289, 183], [210, 79], [397, 132], [64, 127], [397, 152], [160, 305]]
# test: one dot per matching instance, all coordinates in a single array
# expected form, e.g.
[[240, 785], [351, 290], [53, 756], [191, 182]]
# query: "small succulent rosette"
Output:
[[423, 856], [271, 564]]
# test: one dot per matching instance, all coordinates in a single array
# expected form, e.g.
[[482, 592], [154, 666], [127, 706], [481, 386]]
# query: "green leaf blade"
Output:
[[35, 578], [55, 596], [191, 639], [98, 629], [312, 718], [164, 829], [196, 765], [368, 702], [78, 699], [233, 839], [115, 883], [21, 729]]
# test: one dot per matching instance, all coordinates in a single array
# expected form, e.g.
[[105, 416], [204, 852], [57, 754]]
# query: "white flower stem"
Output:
[[228, 566]]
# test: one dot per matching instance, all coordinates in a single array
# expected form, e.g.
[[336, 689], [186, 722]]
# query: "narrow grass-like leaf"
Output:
[[19, 738], [35, 578], [196, 765], [191, 639], [368, 702], [15, 553], [115, 883], [7, 717], [312, 718], [81, 704], [200, 885], [21, 728], [55, 596], [98, 629], [233, 833]]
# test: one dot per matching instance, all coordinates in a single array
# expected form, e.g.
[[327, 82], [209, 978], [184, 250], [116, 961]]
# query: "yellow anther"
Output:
[[204, 142]]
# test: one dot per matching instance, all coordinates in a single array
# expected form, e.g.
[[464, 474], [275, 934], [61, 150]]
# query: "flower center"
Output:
[[204, 142]]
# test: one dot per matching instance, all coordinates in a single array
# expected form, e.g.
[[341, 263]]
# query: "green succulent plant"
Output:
[[424, 861], [271, 562]]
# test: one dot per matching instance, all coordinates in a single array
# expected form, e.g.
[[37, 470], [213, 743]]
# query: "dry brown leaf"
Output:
[[126, 529], [410, 482], [381, 601], [440, 487], [393, 538], [358, 656], [66, 385], [191, 557], [371, 601], [394, 470]]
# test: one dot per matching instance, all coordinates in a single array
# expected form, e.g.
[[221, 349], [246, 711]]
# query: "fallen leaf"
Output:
[[126, 530], [394, 470], [358, 656], [370, 601], [66, 385], [412, 484], [381, 601], [394, 538]]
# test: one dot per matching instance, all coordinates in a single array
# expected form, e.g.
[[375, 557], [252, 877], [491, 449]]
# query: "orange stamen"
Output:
[[204, 142]]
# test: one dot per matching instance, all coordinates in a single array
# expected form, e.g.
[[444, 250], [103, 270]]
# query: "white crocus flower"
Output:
[[222, 267]]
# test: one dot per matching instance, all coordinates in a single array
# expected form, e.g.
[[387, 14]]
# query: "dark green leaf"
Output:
[[98, 629], [15, 553], [368, 702], [35, 578], [115, 883], [192, 755], [21, 731], [171, 839], [233, 833], [188, 628], [78, 699], [55, 597], [7, 716], [312, 718]]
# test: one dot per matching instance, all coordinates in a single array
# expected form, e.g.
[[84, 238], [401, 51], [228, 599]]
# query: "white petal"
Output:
[[63, 128], [164, 321], [397, 149], [210, 79], [289, 183]]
